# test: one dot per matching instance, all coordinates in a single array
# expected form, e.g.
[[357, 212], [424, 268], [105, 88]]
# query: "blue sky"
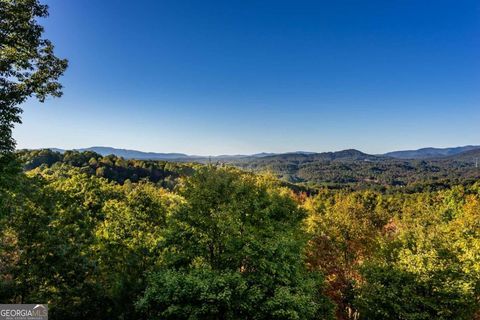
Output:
[[226, 77]]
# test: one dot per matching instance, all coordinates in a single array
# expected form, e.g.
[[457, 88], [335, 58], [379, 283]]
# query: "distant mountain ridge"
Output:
[[142, 155], [428, 153], [350, 154], [470, 155], [343, 155], [134, 154]]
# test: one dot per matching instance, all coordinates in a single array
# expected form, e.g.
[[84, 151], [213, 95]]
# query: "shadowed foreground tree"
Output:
[[28, 68]]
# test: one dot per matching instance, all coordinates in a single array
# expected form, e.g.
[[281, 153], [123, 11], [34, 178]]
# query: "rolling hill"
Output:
[[428, 153], [347, 168]]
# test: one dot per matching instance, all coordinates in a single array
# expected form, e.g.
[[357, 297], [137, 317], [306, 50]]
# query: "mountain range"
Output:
[[428, 153], [351, 154], [141, 155], [347, 168]]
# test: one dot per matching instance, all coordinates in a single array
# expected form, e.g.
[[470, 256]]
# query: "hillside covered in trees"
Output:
[[350, 169], [137, 239], [340, 236], [356, 170]]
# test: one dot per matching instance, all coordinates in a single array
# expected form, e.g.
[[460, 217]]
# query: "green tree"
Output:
[[51, 235], [130, 241], [429, 268], [234, 251]]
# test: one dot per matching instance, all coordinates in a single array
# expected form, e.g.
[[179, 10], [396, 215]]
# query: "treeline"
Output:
[[226, 244], [302, 173], [113, 168]]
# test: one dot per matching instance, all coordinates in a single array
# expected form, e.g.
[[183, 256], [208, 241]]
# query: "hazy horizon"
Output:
[[252, 153]]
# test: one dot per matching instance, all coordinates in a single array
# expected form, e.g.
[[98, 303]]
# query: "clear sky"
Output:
[[226, 77]]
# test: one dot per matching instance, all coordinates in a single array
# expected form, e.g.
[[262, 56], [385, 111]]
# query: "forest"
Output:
[[356, 170], [292, 237], [107, 238]]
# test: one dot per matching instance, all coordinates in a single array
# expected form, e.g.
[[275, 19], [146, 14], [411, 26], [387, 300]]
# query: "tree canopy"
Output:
[[101, 237]]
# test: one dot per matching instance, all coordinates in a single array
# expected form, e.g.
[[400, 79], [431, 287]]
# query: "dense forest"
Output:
[[326, 236], [103, 237], [356, 170]]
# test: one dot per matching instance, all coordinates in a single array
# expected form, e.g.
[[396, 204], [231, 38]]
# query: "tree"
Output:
[[28, 67], [430, 268], [234, 251], [130, 242], [51, 239], [344, 228]]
